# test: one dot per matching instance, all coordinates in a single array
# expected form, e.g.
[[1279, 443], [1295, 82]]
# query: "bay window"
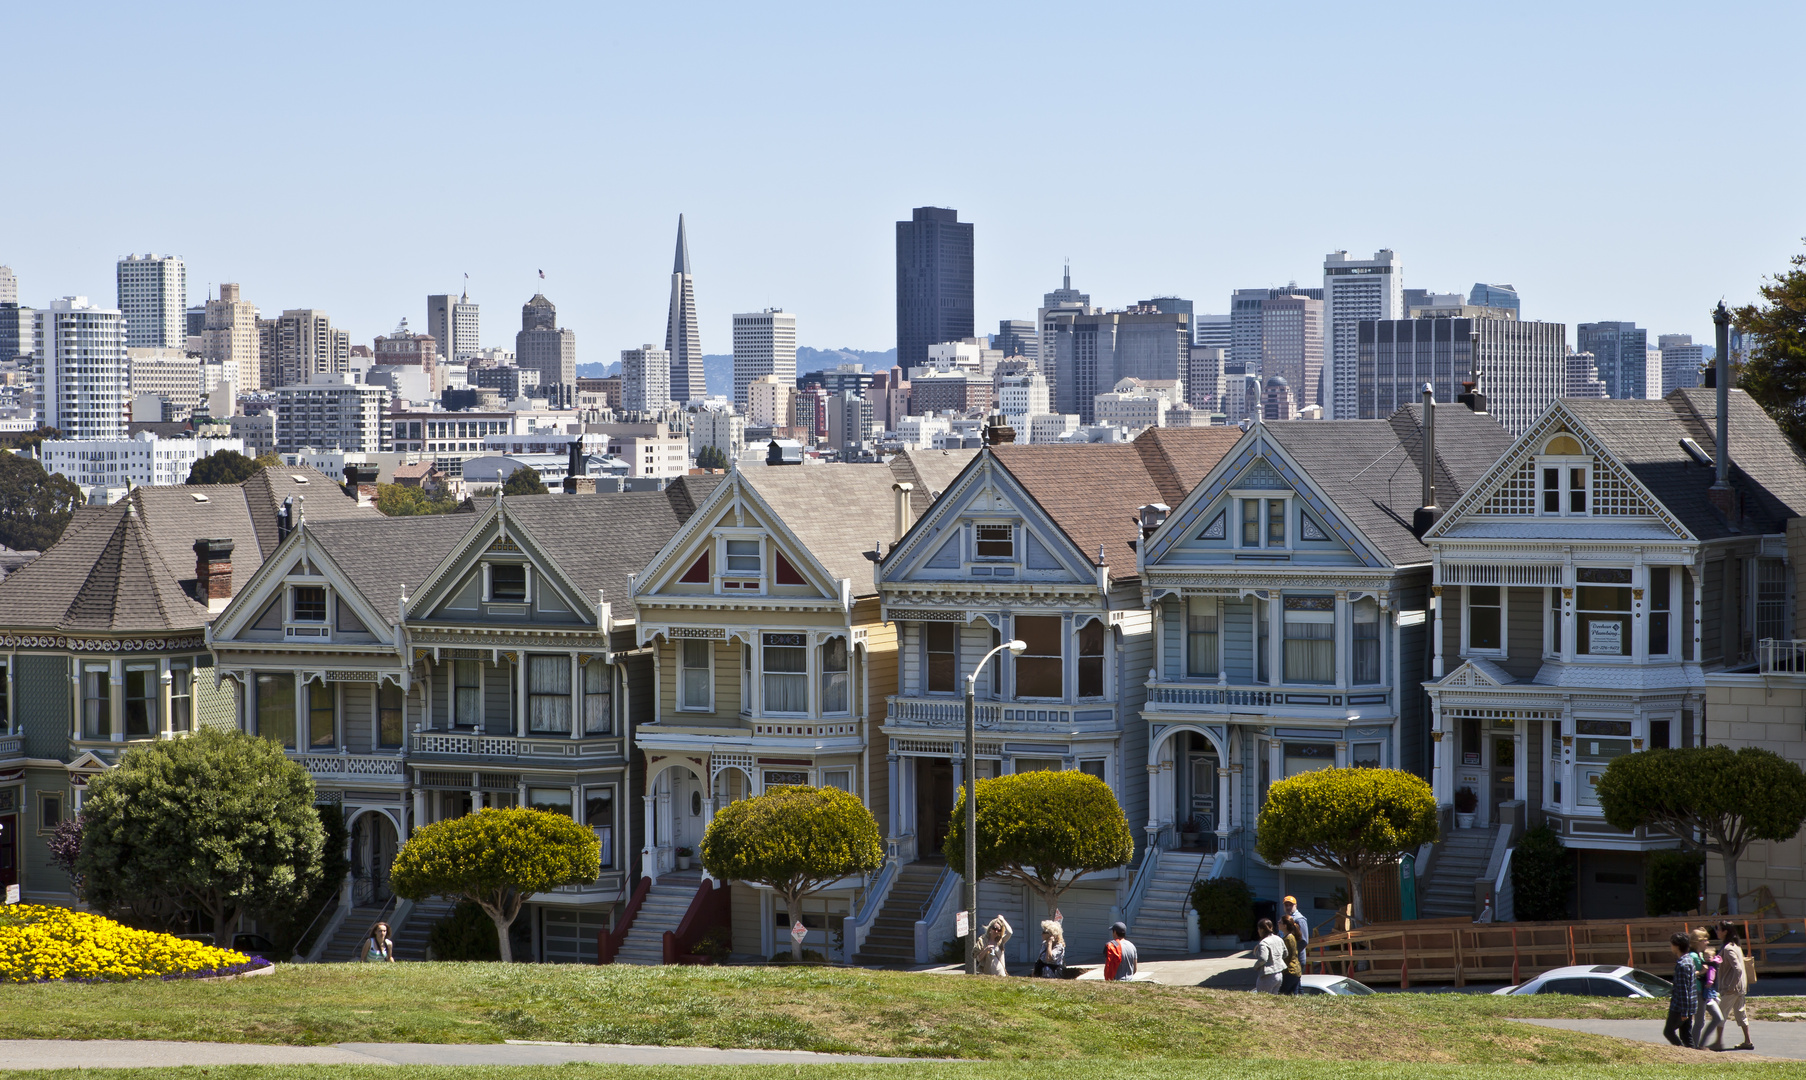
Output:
[[1554, 637], [1303, 757], [1263, 621], [1201, 637], [1364, 653], [97, 702], [786, 667], [321, 713], [467, 693], [1485, 618], [143, 695], [1091, 659], [1602, 617], [597, 715], [599, 814], [275, 706], [1367, 755], [835, 694], [1660, 602], [391, 716], [941, 643], [549, 694], [553, 800], [1310, 639], [181, 696], [1040, 670], [1596, 743], [694, 659]]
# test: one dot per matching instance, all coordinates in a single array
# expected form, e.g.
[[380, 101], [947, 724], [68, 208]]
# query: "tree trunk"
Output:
[[501, 933], [1356, 908], [1730, 881], [225, 919], [793, 908]]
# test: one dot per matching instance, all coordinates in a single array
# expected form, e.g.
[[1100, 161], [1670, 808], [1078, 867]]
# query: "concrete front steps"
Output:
[[892, 940], [410, 940], [348, 941], [1461, 857], [664, 907], [1159, 928]]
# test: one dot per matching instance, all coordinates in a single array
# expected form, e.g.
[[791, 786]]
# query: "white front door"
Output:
[[686, 810]]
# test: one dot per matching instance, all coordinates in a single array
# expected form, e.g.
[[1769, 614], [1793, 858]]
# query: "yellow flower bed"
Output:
[[44, 943]]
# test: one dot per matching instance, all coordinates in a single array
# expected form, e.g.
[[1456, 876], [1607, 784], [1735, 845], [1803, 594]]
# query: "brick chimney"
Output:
[[360, 483], [212, 571]]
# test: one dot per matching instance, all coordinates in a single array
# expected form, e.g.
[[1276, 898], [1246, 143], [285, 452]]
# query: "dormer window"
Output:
[[310, 603], [508, 583], [743, 557], [1566, 477], [1263, 522], [994, 541]]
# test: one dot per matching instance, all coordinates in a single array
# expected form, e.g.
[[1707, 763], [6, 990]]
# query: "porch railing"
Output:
[[940, 713], [349, 766], [1782, 656], [1166, 694], [12, 746], [480, 744]]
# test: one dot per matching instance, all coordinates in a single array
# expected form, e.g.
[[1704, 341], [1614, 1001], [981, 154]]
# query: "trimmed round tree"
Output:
[[1712, 797], [1043, 831], [1350, 821], [496, 859], [795, 840], [222, 822]]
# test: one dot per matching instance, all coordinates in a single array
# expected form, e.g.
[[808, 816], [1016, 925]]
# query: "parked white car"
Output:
[[1337, 985], [1595, 980]]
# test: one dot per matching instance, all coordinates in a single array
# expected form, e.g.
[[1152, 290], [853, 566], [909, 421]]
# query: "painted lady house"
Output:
[[422, 668], [1036, 543], [1588, 585], [1288, 592], [773, 664], [103, 642]]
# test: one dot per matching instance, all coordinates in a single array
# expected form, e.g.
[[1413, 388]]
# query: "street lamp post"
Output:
[[1016, 647]]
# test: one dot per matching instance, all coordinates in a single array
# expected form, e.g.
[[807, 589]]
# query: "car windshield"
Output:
[[1654, 985], [1348, 986]]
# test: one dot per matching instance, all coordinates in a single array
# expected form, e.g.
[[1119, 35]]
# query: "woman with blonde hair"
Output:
[[990, 950], [1051, 964], [1708, 1020]]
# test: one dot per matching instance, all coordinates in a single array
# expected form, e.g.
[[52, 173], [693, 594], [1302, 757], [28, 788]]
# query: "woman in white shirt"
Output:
[[1271, 971]]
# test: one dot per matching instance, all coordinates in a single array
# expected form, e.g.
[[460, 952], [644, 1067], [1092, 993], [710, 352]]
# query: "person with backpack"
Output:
[[1684, 998], [1733, 981], [1708, 1019]]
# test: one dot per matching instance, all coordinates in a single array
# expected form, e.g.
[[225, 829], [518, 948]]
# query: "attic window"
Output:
[[197, 496], [508, 583], [994, 541], [310, 604]]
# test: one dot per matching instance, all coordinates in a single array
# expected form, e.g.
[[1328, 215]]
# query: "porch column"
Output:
[[1276, 632], [1225, 803], [896, 792], [165, 683], [1159, 638], [116, 702], [1436, 631], [664, 811], [1155, 796], [1344, 631], [1236, 772], [648, 860], [419, 818], [476, 799], [1520, 767], [1341, 753], [577, 718], [1439, 774], [520, 694]]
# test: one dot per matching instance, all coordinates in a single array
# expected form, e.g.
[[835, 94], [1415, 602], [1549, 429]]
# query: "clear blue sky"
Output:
[[1614, 161]]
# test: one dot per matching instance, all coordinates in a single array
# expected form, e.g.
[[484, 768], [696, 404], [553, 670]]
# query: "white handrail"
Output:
[[946, 893], [855, 928]]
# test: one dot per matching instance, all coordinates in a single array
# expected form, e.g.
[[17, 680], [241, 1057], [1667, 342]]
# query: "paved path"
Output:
[[122, 1053], [1773, 1038]]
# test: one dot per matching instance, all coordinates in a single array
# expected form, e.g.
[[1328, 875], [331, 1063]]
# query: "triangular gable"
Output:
[[297, 553], [1477, 672], [495, 531], [1257, 464], [985, 488], [1509, 488], [734, 504]]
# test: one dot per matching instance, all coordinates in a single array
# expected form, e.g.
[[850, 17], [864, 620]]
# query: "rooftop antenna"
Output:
[[466, 296], [1068, 281]]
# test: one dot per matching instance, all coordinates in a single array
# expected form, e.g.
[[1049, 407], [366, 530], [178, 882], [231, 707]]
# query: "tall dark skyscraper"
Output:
[[1621, 349], [934, 282], [683, 339]]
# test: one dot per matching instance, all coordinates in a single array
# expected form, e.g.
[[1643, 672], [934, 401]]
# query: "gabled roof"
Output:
[[106, 577], [837, 511], [319, 495], [1372, 470], [385, 556], [1093, 491], [931, 471]]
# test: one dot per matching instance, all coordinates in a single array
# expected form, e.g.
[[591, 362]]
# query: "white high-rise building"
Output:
[[453, 323], [645, 378], [1353, 289], [1682, 361], [770, 401], [764, 344], [9, 286], [1022, 396], [144, 459], [83, 378], [153, 297]]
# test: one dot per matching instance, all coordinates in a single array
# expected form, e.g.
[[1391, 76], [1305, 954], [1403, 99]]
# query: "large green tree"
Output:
[[220, 822], [496, 859], [1350, 821], [35, 506], [1043, 831], [1714, 798], [711, 457], [1775, 372], [525, 481], [398, 500], [223, 467], [795, 840]]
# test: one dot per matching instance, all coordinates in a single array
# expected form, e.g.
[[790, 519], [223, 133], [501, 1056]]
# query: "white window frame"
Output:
[[1636, 619], [720, 574], [1467, 648], [1215, 604], [1015, 543], [1563, 463], [708, 671], [489, 582], [808, 673], [1265, 498]]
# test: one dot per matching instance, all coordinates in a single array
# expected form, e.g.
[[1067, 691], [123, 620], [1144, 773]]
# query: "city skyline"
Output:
[[817, 239]]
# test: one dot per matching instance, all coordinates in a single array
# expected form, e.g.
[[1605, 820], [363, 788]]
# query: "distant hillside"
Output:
[[718, 368]]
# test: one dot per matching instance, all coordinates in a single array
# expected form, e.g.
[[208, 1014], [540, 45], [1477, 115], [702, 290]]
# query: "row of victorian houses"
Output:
[[1206, 611]]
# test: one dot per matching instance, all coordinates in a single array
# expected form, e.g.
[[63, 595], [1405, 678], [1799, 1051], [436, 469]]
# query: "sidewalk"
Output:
[[1773, 1038], [122, 1054]]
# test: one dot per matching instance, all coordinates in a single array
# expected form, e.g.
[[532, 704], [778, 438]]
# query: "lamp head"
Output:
[[1018, 647]]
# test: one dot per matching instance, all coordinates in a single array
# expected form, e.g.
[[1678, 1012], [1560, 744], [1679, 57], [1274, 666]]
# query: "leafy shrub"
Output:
[[1224, 906], [1043, 831], [1352, 821], [466, 934], [953, 951], [39, 944], [1671, 882], [718, 943], [1466, 801], [1542, 876]]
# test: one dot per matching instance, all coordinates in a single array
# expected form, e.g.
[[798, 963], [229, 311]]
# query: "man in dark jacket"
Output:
[[1684, 1000]]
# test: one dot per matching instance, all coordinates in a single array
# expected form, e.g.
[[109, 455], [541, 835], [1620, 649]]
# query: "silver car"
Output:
[[1595, 980], [1331, 984]]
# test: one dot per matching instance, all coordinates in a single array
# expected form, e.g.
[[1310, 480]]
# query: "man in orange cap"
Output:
[[1290, 911]]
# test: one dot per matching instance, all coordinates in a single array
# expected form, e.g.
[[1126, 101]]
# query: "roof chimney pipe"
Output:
[[1426, 515], [1720, 494]]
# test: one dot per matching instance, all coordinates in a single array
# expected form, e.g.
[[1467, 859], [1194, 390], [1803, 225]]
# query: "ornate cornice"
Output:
[[488, 638], [100, 644]]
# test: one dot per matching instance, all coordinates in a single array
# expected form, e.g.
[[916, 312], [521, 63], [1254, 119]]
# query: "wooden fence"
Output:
[[1458, 951]]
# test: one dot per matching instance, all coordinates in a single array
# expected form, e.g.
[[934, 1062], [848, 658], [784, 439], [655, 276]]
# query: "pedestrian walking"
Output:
[[1733, 982], [1051, 964], [1304, 925], [1708, 1016], [1683, 1000], [1294, 957], [1119, 955], [378, 949], [990, 950], [1269, 971]]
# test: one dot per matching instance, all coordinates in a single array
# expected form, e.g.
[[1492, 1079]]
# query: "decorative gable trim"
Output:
[[691, 544], [438, 586], [984, 487]]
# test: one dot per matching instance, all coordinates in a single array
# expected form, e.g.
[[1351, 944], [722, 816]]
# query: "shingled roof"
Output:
[[838, 511], [105, 577], [1094, 491], [1766, 469]]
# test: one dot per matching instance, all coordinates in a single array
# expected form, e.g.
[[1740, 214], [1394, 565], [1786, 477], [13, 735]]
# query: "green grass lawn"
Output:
[[822, 1009], [1086, 1070]]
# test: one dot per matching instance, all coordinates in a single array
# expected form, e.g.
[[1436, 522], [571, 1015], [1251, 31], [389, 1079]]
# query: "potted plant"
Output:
[[1225, 908], [683, 858], [1466, 802]]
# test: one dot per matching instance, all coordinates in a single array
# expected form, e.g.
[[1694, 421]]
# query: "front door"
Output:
[[379, 847], [1203, 809], [1504, 769], [686, 809], [9, 850], [934, 803]]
